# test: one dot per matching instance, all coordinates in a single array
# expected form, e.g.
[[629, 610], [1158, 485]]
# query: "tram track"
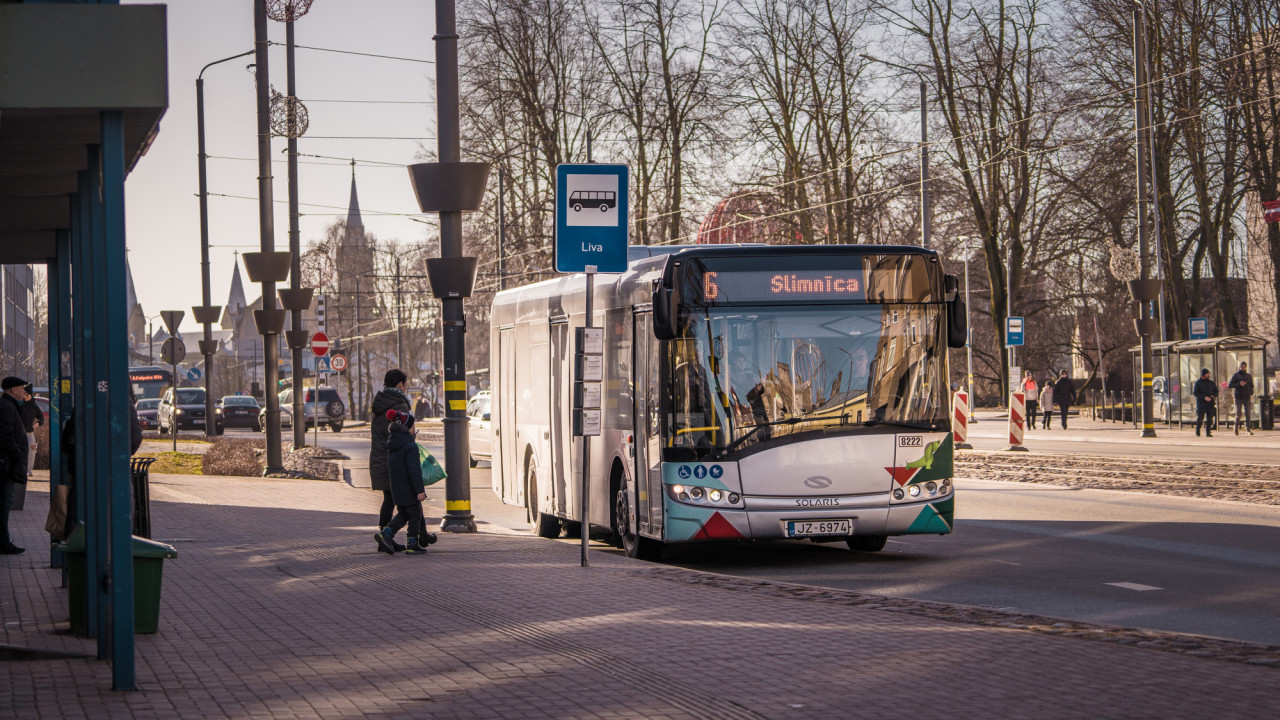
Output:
[[1257, 484]]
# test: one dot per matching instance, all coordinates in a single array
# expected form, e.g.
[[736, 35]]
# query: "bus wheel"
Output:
[[544, 525], [632, 544], [867, 543]]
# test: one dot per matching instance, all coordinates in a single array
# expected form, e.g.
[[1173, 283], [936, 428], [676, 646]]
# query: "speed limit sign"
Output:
[[338, 363]]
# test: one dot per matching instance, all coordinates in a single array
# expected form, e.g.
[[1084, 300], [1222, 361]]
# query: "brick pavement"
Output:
[[279, 607]]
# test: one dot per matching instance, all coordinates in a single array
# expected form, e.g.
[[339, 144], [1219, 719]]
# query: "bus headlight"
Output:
[[914, 491], [733, 498], [677, 489], [715, 495], [898, 494], [932, 487], [695, 493]]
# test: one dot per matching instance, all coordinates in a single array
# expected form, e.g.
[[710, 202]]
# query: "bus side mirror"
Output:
[[664, 315], [957, 323], [950, 283]]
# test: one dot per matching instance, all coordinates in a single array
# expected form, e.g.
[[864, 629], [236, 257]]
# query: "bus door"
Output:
[[648, 427], [508, 466], [561, 402]]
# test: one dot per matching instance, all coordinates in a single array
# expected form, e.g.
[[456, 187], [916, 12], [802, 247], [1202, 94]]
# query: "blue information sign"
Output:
[[1199, 328], [322, 364], [591, 218], [1013, 331], [193, 374]]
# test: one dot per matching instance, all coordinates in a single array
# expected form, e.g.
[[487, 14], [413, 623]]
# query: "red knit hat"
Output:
[[400, 418]]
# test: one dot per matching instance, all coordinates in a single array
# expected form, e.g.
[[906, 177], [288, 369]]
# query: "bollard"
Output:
[[1017, 420], [960, 420]]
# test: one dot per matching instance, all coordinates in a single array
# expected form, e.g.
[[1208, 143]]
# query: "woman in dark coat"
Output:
[[391, 397]]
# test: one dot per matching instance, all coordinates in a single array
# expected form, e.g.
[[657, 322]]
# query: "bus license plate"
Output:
[[809, 528]]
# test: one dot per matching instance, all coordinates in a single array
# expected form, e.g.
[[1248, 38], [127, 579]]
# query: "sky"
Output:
[[162, 211]]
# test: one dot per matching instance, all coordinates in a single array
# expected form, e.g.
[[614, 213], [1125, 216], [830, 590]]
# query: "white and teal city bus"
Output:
[[751, 392]]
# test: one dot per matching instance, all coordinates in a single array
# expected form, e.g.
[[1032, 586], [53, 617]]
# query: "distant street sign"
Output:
[[1013, 331], [591, 218], [173, 351], [194, 374], [172, 319], [338, 363], [323, 364], [320, 344], [1199, 328]]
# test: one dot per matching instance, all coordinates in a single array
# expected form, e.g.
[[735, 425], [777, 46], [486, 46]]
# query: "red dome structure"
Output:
[[745, 216]]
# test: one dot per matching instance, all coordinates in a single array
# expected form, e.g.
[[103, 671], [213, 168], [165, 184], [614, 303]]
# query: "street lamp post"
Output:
[[206, 314], [1144, 290], [926, 203]]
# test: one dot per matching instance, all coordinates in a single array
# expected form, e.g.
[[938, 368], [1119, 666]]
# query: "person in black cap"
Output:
[[1206, 393], [407, 488], [13, 455], [390, 397]]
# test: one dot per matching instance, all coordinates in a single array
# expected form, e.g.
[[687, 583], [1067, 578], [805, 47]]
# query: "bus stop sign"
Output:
[[1013, 331], [591, 218]]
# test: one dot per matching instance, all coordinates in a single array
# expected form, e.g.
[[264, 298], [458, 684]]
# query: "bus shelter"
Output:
[[1178, 365]]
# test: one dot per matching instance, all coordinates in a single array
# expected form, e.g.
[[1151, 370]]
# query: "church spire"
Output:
[[353, 209]]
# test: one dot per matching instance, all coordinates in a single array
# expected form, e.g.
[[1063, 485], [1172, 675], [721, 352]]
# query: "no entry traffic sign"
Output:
[[320, 344]]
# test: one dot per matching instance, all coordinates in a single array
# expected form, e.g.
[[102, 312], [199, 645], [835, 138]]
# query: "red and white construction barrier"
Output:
[[960, 420], [1017, 419]]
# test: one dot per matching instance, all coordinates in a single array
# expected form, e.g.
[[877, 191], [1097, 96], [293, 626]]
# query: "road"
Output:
[[1123, 558]]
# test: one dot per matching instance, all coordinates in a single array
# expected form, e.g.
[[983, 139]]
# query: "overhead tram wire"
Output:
[[354, 52]]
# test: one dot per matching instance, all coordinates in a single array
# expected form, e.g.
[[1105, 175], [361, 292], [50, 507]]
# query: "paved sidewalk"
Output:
[[278, 607]]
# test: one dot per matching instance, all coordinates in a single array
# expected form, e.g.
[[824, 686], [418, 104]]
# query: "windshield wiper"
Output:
[[903, 423], [784, 421]]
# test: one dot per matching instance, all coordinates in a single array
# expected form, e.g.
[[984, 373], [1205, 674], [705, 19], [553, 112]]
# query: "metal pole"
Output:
[[209, 419], [589, 160], [1008, 281], [502, 228], [151, 345], [359, 350], [399, 318], [266, 228], [1144, 198], [173, 413], [585, 490], [295, 246], [926, 208], [968, 340], [457, 517]]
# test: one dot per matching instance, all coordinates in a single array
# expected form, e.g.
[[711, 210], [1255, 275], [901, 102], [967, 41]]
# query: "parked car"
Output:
[[187, 412], [332, 411], [286, 416], [240, 411], [43, 404], [478, 427], [148, 408]]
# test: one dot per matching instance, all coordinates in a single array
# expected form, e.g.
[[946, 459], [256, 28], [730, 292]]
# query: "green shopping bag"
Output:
[[432, 471]]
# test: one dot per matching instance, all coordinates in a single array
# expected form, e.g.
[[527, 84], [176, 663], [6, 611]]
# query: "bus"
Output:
[[750, 393], [149, 381]]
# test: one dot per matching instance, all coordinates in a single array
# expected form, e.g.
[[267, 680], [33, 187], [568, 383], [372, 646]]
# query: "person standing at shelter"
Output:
[[1032, 395], [13, 455], [1064, 391], [31, 417], [390, 397], [1206, 393], [1046, 403], [1242, 384]]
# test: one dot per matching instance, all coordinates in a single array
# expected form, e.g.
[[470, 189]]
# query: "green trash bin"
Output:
[[148, 568]]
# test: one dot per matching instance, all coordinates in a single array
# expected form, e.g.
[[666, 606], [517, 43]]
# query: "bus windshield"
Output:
[[746, 375]]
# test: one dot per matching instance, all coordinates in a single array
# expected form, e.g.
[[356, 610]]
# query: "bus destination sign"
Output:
[[782, 286]]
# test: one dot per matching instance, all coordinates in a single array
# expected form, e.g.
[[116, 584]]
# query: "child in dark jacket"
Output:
[[407, 490]]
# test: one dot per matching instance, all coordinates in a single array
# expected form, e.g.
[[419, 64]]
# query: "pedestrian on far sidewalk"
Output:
[[390, 397], [1242, 384], [13, 455], [1206, 393], [1064, 392], [31, 417], [1032, 393], [1046, 402]]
